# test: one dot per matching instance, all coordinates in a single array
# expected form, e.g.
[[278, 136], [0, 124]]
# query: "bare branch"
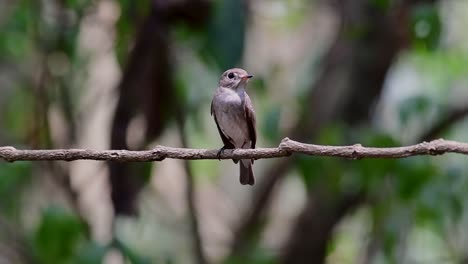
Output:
[[286, 148]]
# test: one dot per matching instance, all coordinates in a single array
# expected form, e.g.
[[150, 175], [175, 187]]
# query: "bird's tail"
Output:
[[246, 172]]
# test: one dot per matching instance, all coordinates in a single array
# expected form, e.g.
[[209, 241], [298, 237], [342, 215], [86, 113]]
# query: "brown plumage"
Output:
[[234, 115]]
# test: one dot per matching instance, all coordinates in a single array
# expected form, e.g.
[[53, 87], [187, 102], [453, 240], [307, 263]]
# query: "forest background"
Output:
[[122, 74]]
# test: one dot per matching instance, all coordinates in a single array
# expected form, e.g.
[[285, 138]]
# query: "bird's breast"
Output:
[[231, 117]]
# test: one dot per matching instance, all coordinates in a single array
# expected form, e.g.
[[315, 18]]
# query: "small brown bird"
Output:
[[235, 118]]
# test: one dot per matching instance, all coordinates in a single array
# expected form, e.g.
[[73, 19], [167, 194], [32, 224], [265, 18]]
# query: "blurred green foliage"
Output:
[[58, 236], [426, 27], [271, 124], [63, 237], [132, 257], [17, 118], [132, 16], [224, 40], [13, 177], [402, 195]]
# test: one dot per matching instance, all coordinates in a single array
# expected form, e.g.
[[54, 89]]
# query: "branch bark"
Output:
[[286, 148]]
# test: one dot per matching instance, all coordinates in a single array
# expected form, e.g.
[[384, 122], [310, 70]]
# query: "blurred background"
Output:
[[122, 74]]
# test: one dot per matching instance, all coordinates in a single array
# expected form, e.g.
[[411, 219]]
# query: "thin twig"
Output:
[[286, 148]]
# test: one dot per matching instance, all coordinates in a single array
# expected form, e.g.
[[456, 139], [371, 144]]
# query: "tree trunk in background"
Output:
[[147, 88]]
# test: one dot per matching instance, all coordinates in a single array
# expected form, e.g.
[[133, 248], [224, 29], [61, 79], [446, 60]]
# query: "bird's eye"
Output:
[[231, 75]]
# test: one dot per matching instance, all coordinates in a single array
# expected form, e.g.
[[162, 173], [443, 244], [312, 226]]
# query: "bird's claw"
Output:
[[221, 150]]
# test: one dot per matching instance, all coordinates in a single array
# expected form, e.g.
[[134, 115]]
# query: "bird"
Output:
[[234, 116]]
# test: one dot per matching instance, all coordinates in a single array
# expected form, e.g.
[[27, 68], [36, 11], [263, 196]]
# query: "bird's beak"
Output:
[[246, 77]]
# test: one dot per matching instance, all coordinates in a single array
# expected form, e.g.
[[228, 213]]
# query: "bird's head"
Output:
[[234, 78]]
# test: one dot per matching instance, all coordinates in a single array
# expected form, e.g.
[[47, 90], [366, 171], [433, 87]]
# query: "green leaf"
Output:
[[58, 235], [426, 26]]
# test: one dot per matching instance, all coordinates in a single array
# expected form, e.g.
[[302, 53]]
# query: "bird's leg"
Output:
[[221, 150]]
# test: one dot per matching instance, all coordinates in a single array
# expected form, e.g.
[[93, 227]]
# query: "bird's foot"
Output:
[[221, 150]]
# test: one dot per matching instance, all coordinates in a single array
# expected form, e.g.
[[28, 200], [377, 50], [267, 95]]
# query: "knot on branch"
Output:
[[356, 154], [157, 153], [286, 146], [114, 154], [7, 153], [434, 147]]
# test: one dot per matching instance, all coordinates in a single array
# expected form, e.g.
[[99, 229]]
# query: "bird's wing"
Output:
[[226, 141], [250, 118]]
